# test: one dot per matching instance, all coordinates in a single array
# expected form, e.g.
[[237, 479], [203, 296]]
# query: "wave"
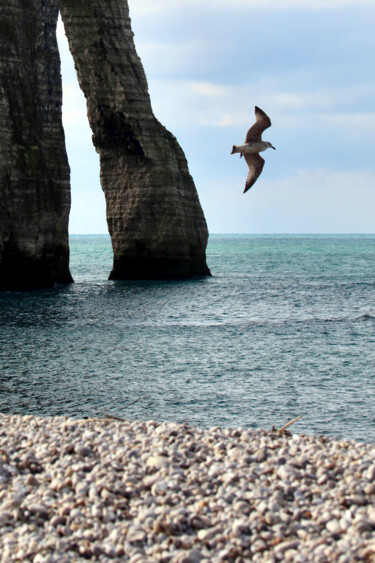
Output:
[[365, 317]]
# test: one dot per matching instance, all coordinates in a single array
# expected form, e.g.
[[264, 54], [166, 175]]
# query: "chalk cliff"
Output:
[[34, 171], [154, 216]]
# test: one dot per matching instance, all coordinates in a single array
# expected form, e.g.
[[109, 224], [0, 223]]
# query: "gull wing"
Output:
[[255, 164], [256, 130]]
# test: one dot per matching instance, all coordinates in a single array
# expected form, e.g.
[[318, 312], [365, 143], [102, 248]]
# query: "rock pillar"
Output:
[[34, 171], [154, 217]]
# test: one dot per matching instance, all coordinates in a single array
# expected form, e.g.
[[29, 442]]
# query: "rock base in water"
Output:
[[148, 269]]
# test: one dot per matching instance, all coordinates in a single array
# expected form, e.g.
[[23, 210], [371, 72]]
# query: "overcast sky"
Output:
[[309, 64]]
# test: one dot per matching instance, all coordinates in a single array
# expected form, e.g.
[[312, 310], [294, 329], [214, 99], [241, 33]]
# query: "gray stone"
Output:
[[192, 556]]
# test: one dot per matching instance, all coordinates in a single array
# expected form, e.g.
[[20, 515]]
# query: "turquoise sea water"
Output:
[[285, 327]]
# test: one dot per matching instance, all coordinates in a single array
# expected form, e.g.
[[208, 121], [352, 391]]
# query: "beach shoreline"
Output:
[[102, 489]]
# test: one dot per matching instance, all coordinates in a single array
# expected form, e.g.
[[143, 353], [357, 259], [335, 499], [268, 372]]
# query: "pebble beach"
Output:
[[103, 489]]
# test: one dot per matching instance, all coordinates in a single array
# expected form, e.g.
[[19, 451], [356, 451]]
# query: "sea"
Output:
[[285, 327]]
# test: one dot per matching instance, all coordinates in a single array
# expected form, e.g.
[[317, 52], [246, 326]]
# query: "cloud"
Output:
[[189, 103], [310, 201], [206, 89], [226, 120], [163, 58], [74, 104], [151, 7], [60, 32], [356, 123], [88, 212]]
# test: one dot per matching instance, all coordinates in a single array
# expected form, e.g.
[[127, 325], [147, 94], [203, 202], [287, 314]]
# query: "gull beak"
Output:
[[273, 148]]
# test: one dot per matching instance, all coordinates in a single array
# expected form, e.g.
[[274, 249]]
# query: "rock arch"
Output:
[[154, 217]]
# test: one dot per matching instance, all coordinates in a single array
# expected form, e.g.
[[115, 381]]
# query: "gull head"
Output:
[[269, 146]]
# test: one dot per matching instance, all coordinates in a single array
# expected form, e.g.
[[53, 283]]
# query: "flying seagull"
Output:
[[253, 146]]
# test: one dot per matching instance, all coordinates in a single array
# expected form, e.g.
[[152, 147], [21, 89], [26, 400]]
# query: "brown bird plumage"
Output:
[[255, 163], [261, 124]]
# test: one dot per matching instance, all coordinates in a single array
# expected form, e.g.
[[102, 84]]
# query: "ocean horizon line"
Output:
[[252, 234]]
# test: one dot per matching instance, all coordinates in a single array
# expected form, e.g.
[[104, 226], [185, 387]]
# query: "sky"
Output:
[[309, 64]]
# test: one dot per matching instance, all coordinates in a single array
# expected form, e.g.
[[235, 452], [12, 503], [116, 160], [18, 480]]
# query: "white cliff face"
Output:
[[154, 217], [34, 171]]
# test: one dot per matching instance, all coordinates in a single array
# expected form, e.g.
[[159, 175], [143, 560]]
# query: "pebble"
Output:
[[75, 490], [193, 556]]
